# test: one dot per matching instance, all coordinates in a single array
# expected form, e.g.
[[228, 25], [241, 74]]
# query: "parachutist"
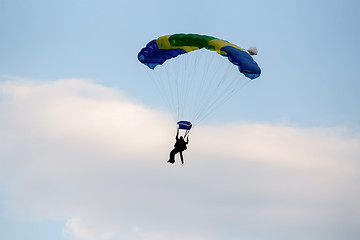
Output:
[[179, 147]]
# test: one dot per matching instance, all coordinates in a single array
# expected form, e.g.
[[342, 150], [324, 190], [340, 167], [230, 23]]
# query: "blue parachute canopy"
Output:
[[166, 47], [186, 125]]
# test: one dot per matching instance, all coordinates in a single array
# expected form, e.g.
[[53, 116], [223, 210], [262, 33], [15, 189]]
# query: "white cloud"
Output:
[[75, 227], [75, 150]]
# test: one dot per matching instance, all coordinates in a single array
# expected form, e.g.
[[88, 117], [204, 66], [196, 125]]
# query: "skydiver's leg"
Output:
[[172, 156], [181, 157]]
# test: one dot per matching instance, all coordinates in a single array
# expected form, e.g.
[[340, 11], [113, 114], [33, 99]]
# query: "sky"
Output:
[[85, 136]]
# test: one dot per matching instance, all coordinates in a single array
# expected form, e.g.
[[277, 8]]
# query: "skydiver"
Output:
[[179, 147]]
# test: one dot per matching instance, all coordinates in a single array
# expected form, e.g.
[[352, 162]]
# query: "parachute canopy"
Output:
[[166, 47], [185, 125]]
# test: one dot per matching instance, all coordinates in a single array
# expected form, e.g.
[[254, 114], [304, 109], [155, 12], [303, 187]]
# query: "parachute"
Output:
[[191, 80]]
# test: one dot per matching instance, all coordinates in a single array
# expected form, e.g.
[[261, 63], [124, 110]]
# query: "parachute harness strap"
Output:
[[186, 133]]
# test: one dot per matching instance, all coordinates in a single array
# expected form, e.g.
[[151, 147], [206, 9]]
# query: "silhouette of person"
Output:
[[179, 147]]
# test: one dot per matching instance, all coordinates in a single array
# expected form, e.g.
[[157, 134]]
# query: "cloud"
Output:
[[75, 227], [74, 150]]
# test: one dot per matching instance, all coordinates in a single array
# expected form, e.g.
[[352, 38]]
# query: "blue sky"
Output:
[[308, 49], [73, 94]]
